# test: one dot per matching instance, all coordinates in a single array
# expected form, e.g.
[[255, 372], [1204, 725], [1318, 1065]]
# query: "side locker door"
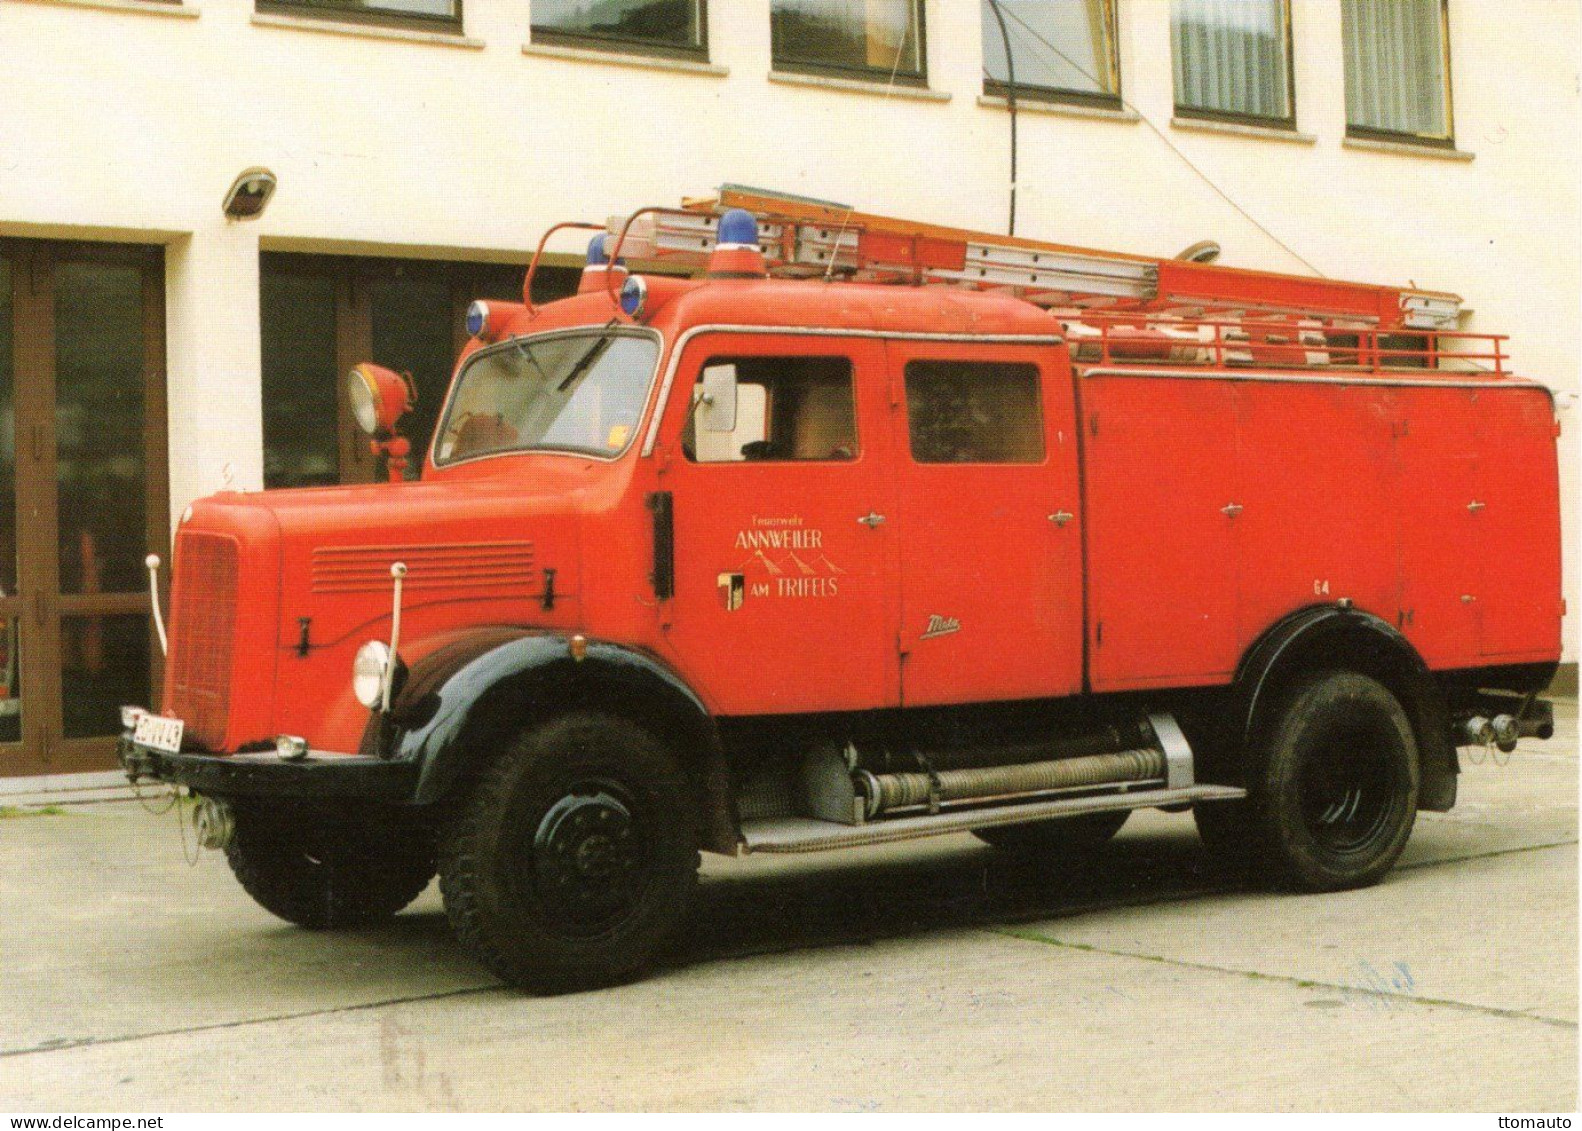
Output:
[[1161, 476], [1519, 604], [988, 521], [1442, 558], [784, 542]]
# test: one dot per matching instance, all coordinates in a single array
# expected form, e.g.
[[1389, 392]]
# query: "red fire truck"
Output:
[[836, 530]]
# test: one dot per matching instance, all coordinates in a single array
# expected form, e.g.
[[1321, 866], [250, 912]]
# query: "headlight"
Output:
[[368, 673], [360, 391]]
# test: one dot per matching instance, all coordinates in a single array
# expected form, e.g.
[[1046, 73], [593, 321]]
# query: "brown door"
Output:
[[83, 496]]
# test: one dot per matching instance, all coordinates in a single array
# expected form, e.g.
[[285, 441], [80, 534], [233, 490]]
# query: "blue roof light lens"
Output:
[[634, 295], [738, 226], [597, 256], [477, 318]]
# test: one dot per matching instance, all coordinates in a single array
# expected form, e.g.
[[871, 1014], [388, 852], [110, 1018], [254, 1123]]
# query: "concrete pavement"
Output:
[[932, 975]]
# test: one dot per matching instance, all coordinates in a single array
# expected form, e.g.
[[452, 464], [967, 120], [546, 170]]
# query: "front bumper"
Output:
[[319, 775]]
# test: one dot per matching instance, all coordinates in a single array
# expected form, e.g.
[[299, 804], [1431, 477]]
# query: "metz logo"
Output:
[[940, 626]]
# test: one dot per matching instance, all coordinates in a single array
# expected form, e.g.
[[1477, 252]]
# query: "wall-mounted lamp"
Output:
[[249, 194]]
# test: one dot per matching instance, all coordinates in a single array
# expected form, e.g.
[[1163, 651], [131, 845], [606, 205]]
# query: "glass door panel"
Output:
[[100, 463], [104, 663]]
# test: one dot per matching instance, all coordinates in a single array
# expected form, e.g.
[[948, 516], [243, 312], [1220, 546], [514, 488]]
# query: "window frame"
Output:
[[1234, 117], [1447, 140], [1041, 431], [1113, 100], [917, 79], [543, 35], [333, 13]]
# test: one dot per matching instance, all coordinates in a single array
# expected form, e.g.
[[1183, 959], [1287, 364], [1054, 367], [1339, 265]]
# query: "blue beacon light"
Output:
[[597, 256], [477, 318], [738, 227]]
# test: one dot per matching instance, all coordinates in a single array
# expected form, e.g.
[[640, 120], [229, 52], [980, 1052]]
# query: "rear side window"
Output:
[[974, 412], [787, 408]]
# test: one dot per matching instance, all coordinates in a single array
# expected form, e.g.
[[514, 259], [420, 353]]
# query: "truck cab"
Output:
[[762, 562]]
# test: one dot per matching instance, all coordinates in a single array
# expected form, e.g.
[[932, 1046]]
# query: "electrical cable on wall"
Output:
[[1160, 134], [1010, 103]]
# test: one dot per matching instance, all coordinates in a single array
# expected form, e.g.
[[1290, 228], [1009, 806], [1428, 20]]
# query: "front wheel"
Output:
[[574, 857], [1333, 793], [331, 868]]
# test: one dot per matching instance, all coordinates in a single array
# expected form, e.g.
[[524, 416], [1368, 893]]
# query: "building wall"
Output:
[[128, 119]]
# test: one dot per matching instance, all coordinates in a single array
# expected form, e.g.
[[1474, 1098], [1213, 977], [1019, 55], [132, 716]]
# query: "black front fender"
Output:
[[457, 711]]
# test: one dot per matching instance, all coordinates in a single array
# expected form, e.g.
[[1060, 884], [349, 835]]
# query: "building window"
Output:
[[439, 15], [1063, 50], [870, 39], [1397, 69], [664, 27], [1233, 60]]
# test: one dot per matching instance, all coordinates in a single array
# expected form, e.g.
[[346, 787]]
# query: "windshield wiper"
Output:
[[595, 351]]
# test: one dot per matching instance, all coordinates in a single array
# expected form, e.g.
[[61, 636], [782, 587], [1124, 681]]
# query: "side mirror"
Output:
[[717, 399]]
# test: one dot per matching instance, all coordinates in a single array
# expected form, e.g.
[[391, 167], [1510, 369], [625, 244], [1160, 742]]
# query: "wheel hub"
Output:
[[588, 860]]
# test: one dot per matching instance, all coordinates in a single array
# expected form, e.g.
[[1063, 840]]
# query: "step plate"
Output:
[[802, 834]]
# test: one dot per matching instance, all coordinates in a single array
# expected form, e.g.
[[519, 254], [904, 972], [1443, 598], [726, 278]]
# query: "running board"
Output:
[[802, 834]]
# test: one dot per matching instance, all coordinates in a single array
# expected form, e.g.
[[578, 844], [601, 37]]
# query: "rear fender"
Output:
[[1327, 636], [459, 709]]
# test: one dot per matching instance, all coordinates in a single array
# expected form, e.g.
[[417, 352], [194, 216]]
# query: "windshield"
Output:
[[566, 393]]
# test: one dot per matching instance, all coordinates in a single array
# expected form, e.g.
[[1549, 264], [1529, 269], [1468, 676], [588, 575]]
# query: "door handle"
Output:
[[1474, 506], [1230, 510], [1060, 518], [871, 520]]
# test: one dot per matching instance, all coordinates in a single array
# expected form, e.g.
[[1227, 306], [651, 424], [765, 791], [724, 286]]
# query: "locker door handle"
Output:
[[871, 520], [1230, 510], [1060, 518], [1474, 506]]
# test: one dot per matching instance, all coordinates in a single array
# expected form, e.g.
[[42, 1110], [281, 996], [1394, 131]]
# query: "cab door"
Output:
[[989, 524], [783, 530]]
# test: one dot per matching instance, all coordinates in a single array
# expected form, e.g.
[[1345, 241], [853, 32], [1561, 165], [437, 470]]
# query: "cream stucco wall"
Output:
[[128, 119]]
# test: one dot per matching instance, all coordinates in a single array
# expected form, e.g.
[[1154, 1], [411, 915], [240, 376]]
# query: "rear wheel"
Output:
[[1333, 794], [1085, 833], [572, 861], [331, 868]]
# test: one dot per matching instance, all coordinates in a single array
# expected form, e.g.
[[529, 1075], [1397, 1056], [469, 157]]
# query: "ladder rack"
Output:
[[803, 238]]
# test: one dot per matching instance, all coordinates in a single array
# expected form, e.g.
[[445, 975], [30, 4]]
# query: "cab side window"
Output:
[[787, 408], [974, 412]]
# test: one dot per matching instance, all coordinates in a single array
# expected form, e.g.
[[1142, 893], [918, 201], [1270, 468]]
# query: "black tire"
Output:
[[1225, 828], [1333, 785], [1086, 833], [325, 869], [572, 860]]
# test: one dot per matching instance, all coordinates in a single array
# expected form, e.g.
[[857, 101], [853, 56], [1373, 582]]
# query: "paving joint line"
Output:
[[1026, 935], [241, 1022]]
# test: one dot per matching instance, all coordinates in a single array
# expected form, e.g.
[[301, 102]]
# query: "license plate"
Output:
[[159, 732]]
